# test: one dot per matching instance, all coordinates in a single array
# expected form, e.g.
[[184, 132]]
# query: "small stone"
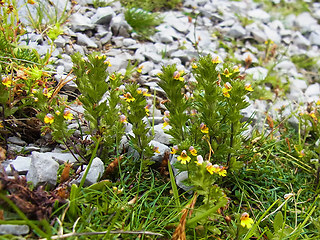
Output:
[[20, 164], [128, 42], [237, 31], [314, 38], [160, 135], [146, 67], [95, 172], [158, 157], [14, 229], [299, 84], [153, 56], [305, 21], [43, 169], [103, 16], [259, 14], [60, 42], [301, 41], [79, 22], [106, 38], [17, 140], [84, 40], [313, 89], [258, 73]]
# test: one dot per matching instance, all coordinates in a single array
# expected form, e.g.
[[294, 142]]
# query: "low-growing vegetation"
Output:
[[261, 185]]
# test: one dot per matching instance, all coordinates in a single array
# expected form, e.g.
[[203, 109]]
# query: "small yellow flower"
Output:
[[236, 69], [174, 149], [67, 115], [165, 122], [225, 92], [58, 112], [1, 125], [49, 118], [216, 60], [248, 87], [123, 118], [226, 72], [193, 151], [204, 128], [107, 62], [31, 2], [167, 113], [46, 92], [7, 81], [313, 115], [147, 109], [128, 97], [156, 149], [210, 168], [246, 221], [139, 69], [183, 158], [318, 102], [113, 77], [199, 160], [177, 75], [194, 66], [222, 172]]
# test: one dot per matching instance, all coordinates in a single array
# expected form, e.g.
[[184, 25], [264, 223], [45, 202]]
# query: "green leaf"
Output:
[[278, 222]]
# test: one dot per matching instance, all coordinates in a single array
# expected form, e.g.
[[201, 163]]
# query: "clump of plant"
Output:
[[100, 97], [49, 17], [142, 21], [205, 123], [151, 5]]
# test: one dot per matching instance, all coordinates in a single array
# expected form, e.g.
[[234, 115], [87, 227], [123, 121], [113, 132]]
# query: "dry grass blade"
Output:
[[180, 232]]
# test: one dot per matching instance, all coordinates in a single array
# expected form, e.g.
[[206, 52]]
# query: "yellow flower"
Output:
[[123, 118], [139, 69], [147, 109], [49, 118], [7, 81], [107, 63], [204, 128], [58, 112], [313, 115], [211, 169], [216, 60], [67, 115], [1, 125], [193, 151], [46, 92], [248, 87], [199, 160], [128, 97], [225, 92], [194, 66], [31, 2], [174, 149], [145, 93], [246, 221], [226, 72], [165, 122], [177, 75], [222, 172], [113, 77], [156, 149], [183, 158]]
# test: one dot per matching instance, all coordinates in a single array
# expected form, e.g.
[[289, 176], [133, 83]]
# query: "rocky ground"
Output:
[[235, 31]]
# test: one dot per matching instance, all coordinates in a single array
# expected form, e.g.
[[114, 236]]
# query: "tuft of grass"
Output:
[[151, 5], [142, 21]]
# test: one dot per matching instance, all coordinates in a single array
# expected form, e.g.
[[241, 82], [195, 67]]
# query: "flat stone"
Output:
[[305, 21], [237, 31], [83, 39], [17, 140], [146, 67], [43, 169], [259, 14], [300, 40], [300, 84], [313, 89], [14, 229], [20, 164], [103, 15], [160, 135], [258, 73], [314, 38], [79, 22]]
